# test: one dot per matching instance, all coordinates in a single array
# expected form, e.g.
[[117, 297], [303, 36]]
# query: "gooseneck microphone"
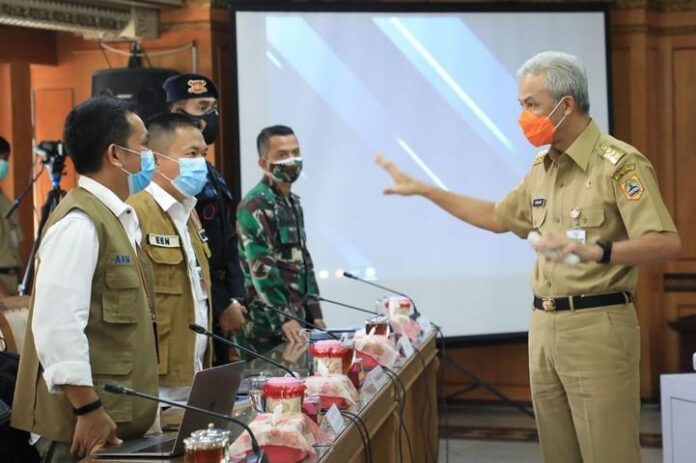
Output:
[[119, 389], [415, 314], [341, 304], [201, 330], [299, 320]]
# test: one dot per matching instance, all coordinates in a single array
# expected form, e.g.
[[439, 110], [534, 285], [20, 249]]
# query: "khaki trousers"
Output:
[[584, 372], [10, 282], [53, 452]]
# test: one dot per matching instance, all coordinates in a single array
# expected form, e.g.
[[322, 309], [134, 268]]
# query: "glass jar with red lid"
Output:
[[285, 391], [331, 357]]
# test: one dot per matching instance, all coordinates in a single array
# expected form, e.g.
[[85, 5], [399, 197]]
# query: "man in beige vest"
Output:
[[10, 233], [596, 197], [197, 96], [176, 243], [91, 317]]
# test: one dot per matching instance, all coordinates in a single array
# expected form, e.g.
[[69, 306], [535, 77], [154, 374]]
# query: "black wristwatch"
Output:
[[606, 248], [90, 407]]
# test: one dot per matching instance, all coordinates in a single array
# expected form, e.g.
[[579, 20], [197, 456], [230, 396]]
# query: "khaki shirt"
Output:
[[615, 191], [10, 235]]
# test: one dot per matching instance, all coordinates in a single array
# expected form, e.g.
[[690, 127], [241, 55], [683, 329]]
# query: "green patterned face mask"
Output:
[[287, 170]]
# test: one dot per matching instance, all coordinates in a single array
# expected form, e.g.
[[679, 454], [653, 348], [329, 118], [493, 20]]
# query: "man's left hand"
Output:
[[231, 319], [563, 245], [293, 351], [320, 323]]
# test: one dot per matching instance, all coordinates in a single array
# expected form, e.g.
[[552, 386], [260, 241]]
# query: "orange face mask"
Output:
[[539, 130]]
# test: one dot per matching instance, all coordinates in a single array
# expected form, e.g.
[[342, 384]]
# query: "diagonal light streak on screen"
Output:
[[428, 171], [451, 82], [274, 60]]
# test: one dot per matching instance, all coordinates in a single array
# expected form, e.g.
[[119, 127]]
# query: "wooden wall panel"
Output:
[[15, 126], [503, 366], [684, 104], [21, 44], [678, 304], [621, 91], [51, 105]]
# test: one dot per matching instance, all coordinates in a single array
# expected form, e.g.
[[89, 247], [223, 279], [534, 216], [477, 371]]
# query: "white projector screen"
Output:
[[437, 93]]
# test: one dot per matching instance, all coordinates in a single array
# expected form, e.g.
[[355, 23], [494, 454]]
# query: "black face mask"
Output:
[[210, 130], [211, 119]]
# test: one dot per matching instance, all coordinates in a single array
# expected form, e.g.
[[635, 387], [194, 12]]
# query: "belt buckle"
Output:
[[549, 304]]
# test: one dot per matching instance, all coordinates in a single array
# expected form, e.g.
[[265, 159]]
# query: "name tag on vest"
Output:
[[163, 241], [121, 259]]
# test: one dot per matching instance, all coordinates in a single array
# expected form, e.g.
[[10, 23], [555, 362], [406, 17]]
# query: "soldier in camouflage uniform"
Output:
[[277, 267]]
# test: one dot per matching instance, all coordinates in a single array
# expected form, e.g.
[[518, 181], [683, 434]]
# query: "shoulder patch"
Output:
[[539, 158], [611, 153], [622, 171], [632, 188]]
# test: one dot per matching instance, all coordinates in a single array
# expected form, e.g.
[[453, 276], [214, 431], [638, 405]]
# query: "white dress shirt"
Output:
[[68, 257], [180, 212]]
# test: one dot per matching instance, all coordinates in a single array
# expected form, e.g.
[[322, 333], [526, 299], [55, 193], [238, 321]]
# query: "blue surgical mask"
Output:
[[138, 181], [4, 168], [193, 175]]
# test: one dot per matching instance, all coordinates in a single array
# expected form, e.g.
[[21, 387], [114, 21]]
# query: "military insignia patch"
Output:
[[612, 154], [623, 171], [197, 86], [632, 188]]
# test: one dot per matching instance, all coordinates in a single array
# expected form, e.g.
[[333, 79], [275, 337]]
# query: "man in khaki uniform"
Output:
[[197, 96], [10, 233], [91, 317], [176, 243], [596, 197]]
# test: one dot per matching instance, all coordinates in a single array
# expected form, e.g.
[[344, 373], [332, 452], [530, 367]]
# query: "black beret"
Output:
[[187, 86]]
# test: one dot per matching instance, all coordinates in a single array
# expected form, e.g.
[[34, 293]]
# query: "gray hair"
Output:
[[565, 75]]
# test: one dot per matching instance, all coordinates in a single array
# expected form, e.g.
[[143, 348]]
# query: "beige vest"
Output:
[[119, 330], [174, 297], [9, 251]]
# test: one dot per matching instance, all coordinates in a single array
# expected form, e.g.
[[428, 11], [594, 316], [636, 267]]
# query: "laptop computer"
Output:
[[213, 389]]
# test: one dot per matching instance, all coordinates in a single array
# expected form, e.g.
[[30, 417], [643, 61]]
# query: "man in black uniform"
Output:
[[197, 95]]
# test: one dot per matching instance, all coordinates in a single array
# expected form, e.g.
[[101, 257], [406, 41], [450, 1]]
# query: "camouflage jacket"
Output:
[[277, 267]]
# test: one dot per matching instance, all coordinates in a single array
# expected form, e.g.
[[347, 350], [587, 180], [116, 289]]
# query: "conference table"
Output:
[[379, 410]]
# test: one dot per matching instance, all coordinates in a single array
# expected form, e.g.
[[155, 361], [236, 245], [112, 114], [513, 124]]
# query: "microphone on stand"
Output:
[[298, 319], [415, 313], [119, 389], [201, 330], [341, 304]]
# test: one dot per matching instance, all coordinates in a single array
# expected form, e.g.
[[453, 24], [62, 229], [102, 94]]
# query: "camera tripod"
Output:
[[56, 163]]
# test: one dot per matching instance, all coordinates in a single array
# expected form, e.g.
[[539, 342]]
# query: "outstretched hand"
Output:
[[404, 185]]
